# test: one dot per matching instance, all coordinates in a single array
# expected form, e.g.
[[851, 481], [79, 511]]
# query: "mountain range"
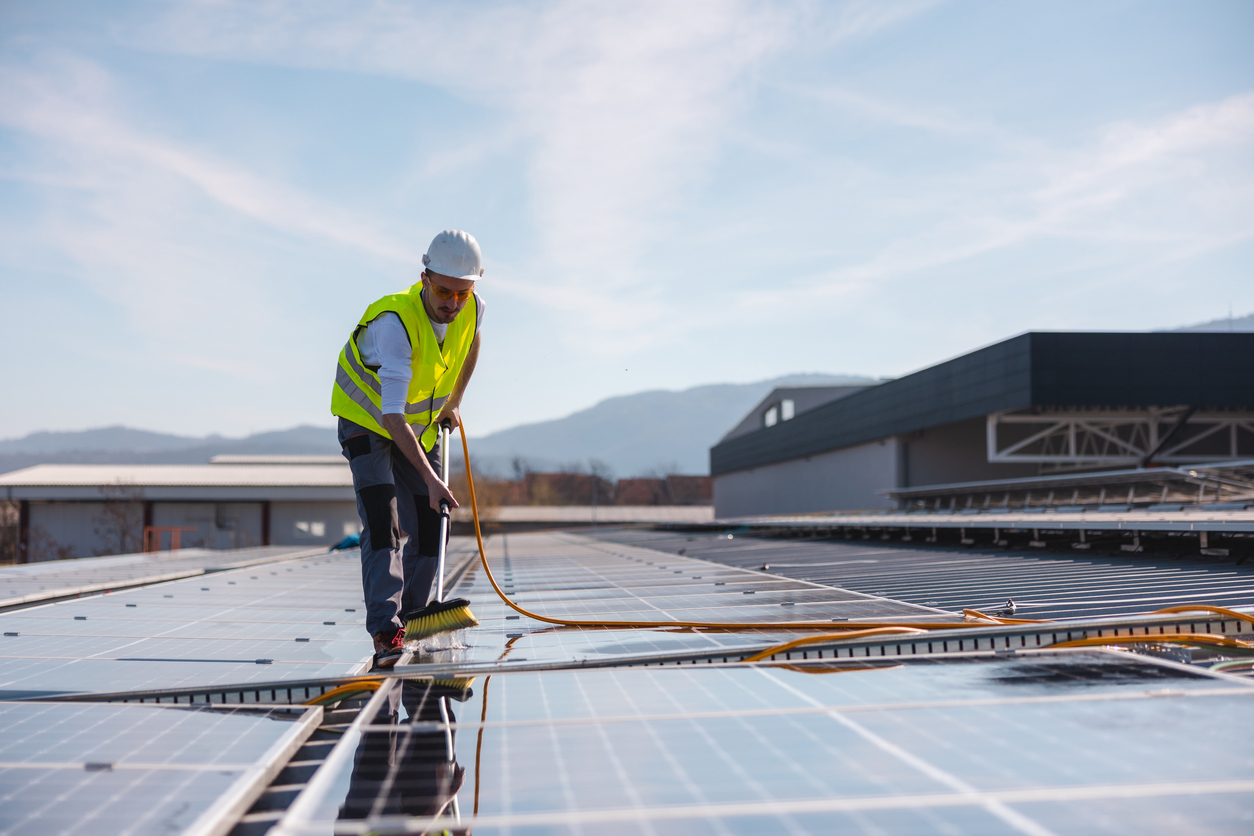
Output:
[[658, 431]]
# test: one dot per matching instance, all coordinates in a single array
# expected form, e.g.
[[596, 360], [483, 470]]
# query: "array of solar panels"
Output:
[[1042, 585], [1065, 742], [520, 731]]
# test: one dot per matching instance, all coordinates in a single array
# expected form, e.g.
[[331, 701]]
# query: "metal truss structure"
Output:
[[1170, 435]]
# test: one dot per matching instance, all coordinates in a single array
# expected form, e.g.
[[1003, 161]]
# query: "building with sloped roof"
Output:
[[78, 510]]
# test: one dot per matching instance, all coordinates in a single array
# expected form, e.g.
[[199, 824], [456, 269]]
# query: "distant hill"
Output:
[[1239, 323], [123, 445], [661, 431]]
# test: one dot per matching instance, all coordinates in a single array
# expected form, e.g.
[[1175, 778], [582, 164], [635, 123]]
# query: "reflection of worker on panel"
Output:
[[410, 773]]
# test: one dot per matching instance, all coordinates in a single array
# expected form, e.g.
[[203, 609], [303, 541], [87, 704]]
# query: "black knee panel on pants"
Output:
[[380, 504], [428, 527]]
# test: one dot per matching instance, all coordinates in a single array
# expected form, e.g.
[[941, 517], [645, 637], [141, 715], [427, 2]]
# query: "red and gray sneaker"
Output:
[[389, 646]]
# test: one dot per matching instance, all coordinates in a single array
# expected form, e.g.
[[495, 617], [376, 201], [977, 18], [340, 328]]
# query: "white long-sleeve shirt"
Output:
[[384, 343]]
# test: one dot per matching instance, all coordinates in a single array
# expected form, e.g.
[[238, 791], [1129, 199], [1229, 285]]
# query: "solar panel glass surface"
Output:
[[98, 768]]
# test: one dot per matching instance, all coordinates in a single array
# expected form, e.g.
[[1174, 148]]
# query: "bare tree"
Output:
[[42, 546], [602, 481], [8, 531], [120, 523]]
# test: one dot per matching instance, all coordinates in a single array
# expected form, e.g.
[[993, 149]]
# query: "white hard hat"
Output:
[[454, 253]]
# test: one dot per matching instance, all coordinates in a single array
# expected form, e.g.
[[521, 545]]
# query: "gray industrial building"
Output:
[[1033, 405], [80, 510]]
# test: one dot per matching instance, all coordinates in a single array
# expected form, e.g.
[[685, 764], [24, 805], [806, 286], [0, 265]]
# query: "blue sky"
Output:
[[197, 200]]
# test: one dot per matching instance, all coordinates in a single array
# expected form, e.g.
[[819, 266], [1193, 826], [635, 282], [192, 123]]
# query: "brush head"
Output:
[[458, 688], [440, 617]]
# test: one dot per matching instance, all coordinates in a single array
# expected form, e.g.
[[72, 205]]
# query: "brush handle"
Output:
[[444, 511]]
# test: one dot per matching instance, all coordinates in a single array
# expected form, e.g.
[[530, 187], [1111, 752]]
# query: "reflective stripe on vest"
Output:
[[371, 380]]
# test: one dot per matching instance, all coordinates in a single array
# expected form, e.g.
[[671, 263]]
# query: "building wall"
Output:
[[955, 452], [299, 523], [219, 525], [76, 529], [65, 525], [850, 479], [837, 480]]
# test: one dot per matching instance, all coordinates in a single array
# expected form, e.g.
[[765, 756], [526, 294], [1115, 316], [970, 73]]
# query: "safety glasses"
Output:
[[444, 294]]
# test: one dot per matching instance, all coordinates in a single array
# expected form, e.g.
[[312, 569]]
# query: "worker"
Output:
[[402, 373]]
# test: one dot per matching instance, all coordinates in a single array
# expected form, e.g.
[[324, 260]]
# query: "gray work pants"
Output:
[[391, 498]]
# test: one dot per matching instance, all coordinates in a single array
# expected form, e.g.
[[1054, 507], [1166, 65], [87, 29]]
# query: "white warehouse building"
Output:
[[80, 510]]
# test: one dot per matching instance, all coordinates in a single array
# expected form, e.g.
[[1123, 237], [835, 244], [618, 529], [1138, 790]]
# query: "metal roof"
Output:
[[232, 458], [579, 514], [181, 481]]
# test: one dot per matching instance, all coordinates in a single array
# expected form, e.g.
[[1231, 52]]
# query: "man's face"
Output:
[[445, 296]]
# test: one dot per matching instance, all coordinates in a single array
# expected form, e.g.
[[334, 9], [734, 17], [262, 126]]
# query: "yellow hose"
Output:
[[1173, 638], [335, 694], [1000, 619], [852, 634], [1206, 608]]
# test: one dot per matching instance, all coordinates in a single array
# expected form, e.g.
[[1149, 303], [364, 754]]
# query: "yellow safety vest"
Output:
[[357, 394]]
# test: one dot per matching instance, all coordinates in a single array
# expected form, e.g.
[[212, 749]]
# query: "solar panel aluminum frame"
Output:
[[300, 814], [223, 815]]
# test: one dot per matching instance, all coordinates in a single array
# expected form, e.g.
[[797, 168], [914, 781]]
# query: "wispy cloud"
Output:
[[71, 103]]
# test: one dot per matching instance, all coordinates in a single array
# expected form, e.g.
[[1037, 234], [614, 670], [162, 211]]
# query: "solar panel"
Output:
[[296, 619], [24, 584], [92, 768]]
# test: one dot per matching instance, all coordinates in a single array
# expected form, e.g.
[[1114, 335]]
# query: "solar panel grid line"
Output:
[[134, 767], [715, 813], [1023, 593], [1011, 818], [1005, 565]]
